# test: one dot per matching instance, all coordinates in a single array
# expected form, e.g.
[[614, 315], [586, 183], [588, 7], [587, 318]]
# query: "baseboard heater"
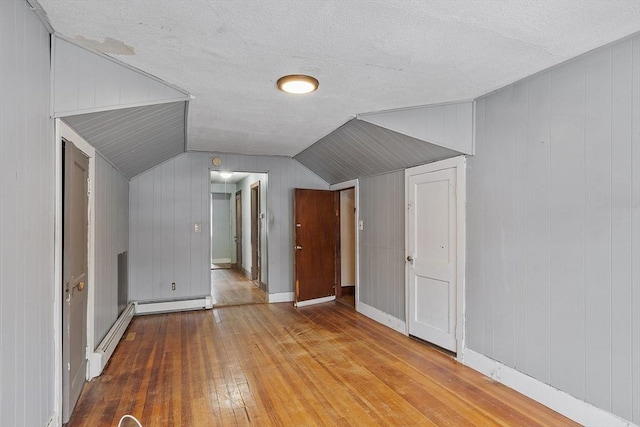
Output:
[[105, 349], [151, 307]]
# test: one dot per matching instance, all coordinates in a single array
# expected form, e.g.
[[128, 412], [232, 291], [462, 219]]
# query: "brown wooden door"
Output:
[[239, 230], [74, 274], [315, 238]]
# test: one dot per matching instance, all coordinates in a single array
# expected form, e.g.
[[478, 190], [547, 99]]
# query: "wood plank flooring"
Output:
[[231, 287], [275, 365]]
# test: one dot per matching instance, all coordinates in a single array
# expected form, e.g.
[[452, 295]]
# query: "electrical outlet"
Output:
[[173, 286]]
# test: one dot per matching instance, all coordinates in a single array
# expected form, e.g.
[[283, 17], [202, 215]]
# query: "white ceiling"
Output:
[[368, 55]]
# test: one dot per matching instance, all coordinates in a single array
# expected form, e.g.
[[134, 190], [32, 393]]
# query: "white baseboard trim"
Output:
[[100, 356], [315, 301], [561, 402], [281, 297], [167, 306], [382, 317], [221, 261]]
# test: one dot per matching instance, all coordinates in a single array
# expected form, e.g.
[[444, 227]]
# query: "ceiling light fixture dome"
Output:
[[226, 175], [297, 83]]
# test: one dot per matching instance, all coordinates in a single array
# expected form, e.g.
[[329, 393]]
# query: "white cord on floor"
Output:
[[129, 416]]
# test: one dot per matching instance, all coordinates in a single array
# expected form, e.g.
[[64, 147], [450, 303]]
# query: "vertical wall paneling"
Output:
[[85, 81], [520, 238], [182, 231], [504, 217], [553, 214], [491, 239], [111, 238], [446, 125], [538, 236], [26, 220], [159, 223], [621, 261], [382, 264], [567, 195], [475, 229], [598, 221], [635, 228]]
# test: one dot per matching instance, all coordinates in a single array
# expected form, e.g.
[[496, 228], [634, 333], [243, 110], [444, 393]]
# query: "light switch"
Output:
[[197, 228]]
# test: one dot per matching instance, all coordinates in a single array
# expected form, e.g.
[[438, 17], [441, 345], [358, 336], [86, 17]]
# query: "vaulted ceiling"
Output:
[[369, 55]]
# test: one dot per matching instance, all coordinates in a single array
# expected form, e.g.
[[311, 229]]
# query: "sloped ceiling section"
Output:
[[135, 139], [358, 149], [135, 120]]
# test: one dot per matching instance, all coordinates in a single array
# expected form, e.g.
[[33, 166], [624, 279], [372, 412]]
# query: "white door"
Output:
[[432, 265]]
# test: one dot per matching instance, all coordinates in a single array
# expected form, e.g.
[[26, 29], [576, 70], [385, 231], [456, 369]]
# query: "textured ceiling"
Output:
[[368, 55]]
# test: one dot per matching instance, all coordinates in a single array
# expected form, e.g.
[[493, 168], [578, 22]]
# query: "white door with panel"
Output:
[[431, 259]]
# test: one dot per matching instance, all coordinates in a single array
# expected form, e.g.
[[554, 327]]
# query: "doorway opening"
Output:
[[238, 236], [346, 259], [75, 209], [326, 242]]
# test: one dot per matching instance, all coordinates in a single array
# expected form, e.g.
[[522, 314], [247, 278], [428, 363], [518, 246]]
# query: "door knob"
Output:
[[298, 248], [410, 258], [80, 286]]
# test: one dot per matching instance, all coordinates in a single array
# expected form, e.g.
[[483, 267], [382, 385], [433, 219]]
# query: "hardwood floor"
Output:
[[231, 287], [275, 365]]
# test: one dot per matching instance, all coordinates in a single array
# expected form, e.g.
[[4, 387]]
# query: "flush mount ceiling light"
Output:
[[297, 83], [226, 175]]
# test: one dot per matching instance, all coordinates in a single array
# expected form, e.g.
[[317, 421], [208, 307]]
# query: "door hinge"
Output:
[[88, 186], [68, 366]]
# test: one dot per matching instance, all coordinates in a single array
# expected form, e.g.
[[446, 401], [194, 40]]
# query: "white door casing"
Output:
[[435, 252]]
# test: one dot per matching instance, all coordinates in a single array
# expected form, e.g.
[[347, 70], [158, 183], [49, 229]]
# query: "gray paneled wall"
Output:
[[446, 125], [27, 188], [168, 200], [111, 238], [553, 273], [85, 81], [382, 285]]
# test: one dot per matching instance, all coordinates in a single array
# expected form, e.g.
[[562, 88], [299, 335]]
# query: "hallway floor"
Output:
[[232, 287], [275, 365]]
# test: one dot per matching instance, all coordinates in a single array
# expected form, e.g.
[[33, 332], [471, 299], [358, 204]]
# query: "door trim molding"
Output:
[[61, 130], [458, 163]]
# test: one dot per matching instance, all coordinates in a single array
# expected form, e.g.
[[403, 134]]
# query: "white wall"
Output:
[[553, 263], [111, 238], [165, 203], [27, 195]]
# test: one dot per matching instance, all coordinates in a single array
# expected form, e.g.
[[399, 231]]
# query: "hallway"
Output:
[[231, 287]]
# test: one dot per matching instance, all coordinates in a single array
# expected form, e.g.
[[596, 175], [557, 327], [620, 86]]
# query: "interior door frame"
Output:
[[458, 163], [61, 130], [256, 254], [354, 183], [238, 239]]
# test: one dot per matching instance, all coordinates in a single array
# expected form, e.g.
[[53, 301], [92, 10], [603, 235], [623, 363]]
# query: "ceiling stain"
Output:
[[108, 46]]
